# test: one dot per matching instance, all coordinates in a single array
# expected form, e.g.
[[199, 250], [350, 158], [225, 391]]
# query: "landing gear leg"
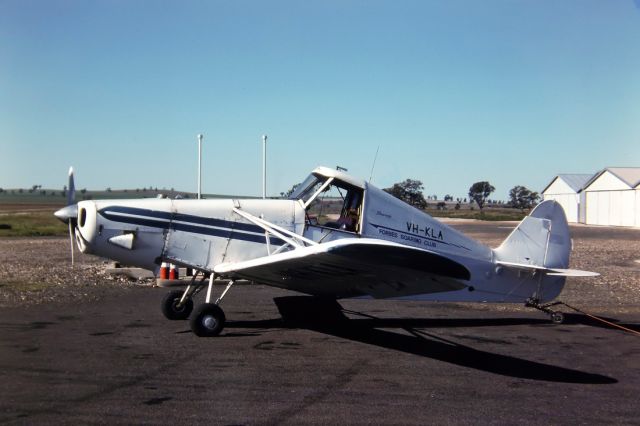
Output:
[[208, 319], [556, 317]]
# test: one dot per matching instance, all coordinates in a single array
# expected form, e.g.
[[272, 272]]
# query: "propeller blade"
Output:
[[71, 192], [69, 214], [71, 240]]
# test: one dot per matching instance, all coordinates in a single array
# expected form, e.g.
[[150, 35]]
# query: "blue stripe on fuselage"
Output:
[[168, 220]]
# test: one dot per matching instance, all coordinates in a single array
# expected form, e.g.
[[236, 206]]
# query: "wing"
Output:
[[354, 267]]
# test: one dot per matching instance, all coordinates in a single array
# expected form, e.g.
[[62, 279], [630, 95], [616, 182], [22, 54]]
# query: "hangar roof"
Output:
[[628, 175], [577, 182], [631, 175]]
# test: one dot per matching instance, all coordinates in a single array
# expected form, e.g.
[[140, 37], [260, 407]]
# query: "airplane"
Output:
[[335, 236]]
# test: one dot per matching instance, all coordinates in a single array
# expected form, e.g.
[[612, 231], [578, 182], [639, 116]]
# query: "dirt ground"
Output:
[[38, 270]]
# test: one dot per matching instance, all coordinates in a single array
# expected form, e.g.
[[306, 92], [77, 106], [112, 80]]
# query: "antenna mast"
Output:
[[264, 167], [200, 136], [374, 163]]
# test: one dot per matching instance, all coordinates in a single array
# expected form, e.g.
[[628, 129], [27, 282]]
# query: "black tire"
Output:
[[557, 318], [170, 309], [208, 320]]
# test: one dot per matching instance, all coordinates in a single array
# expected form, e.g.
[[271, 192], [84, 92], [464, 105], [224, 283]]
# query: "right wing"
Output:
[[354, 267]]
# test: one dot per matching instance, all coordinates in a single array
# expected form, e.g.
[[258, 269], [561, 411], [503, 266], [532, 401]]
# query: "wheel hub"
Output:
[[209, 321]]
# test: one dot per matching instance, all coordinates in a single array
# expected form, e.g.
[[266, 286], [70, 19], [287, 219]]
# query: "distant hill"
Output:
[[59, 197]]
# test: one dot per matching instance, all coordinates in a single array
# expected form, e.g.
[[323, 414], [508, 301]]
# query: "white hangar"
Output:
[[611, 197]]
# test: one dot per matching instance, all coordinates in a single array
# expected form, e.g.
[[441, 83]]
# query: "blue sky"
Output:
[[452, 91]]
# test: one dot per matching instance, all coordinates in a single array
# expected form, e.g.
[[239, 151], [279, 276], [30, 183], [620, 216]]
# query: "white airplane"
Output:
[[336, 236]]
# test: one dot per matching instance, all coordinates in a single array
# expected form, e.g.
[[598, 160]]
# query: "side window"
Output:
[[351, 210], [339, 207]]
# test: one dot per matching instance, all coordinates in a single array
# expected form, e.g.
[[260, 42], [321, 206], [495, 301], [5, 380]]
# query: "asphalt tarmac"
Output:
[[118, 361]]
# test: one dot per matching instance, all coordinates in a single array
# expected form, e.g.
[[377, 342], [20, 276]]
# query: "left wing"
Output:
[[354, 267]]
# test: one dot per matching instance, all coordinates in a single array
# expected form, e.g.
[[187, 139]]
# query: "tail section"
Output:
[[538, 249], [541, 243], [541, 240]]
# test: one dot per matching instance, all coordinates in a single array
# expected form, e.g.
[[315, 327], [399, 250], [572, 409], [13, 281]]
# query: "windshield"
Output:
[[306, 189]]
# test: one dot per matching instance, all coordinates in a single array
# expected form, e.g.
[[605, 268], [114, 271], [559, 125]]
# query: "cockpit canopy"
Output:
[[332, 199]]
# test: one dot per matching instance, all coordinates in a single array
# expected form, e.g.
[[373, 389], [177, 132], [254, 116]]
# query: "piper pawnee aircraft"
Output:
[[335, 237]]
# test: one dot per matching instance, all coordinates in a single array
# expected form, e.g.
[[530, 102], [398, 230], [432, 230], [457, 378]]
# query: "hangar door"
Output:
[[612, 208]]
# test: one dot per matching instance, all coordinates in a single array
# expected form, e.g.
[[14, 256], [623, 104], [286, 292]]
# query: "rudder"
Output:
[[541, 239]]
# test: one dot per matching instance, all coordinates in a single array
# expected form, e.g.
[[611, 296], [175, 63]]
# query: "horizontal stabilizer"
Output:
[[558, 272], [572, 273]]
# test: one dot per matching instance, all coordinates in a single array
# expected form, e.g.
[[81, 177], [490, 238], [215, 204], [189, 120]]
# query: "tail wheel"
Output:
[[557, 317], [170, 307], [208, 320]]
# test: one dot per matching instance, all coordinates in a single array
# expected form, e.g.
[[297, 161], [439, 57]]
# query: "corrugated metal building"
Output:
[[611, 197], [567, 189]]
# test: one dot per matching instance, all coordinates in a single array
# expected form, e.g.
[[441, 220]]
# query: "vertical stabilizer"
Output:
[[541, 239]]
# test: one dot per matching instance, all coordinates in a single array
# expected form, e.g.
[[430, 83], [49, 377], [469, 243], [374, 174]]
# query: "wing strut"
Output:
[[291, 238]]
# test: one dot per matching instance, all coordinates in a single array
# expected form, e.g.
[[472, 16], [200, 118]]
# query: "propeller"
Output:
[[69, 214]]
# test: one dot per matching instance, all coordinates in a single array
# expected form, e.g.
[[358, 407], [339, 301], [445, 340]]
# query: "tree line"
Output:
[[411, 192]]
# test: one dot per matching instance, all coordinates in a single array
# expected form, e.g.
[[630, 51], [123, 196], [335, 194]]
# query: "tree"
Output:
[[409, 191], [522, 198], [290, 191], [479, 192]]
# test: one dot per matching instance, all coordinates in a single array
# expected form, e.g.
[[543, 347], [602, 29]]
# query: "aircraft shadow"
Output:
[[327, 316]]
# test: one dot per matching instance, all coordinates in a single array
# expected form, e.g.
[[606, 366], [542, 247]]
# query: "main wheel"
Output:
[[208, 320], [170, 307]]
